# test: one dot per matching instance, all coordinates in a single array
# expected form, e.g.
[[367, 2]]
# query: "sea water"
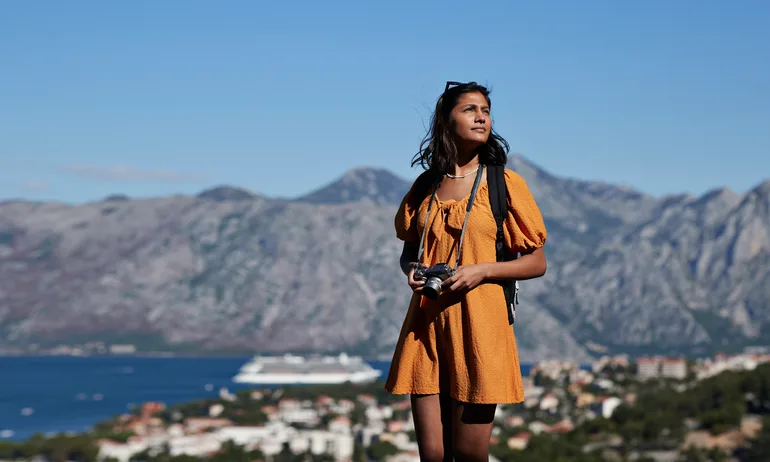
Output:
[[49, 394]]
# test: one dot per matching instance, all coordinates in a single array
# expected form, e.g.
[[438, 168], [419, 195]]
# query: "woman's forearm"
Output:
[[528, 266]]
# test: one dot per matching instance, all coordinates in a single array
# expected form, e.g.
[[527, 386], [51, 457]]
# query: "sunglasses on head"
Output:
[[452, 84]]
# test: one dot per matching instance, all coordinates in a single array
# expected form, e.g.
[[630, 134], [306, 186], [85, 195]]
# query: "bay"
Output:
[[50, 394]]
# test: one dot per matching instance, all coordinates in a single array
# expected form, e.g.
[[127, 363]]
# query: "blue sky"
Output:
[[151, 98]]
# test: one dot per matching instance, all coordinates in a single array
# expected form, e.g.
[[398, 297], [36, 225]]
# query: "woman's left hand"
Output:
[[466, 277]]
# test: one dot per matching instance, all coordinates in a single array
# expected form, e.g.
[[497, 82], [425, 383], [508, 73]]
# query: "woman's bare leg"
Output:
[[471, 430], [433, 426]]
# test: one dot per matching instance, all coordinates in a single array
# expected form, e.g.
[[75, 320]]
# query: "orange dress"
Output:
[[463, 343]]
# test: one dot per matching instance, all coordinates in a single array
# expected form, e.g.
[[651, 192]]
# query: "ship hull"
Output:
[[309, 379], [290, 370]]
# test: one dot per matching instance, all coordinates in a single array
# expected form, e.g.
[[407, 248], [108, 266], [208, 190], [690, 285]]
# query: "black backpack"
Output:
[[498, 199]]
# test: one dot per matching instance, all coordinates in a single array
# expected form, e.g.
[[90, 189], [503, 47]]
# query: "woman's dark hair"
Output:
[[438, 151]]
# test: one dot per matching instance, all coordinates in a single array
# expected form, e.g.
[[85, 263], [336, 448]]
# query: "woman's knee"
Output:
[[431, 451]]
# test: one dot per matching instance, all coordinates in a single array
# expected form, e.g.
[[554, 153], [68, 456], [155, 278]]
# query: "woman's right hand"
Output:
[[415, 284]]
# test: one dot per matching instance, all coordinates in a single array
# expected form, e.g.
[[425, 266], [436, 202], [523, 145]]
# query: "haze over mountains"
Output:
[[229, 269]]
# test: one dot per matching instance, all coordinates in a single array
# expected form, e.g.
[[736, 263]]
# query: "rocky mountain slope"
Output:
[[229, 269], [375, 185]]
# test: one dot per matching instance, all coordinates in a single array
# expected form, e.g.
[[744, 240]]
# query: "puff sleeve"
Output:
[[406, 217], [524, 228]]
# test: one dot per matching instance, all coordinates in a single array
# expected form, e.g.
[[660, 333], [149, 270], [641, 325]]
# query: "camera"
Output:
[[434, 278]]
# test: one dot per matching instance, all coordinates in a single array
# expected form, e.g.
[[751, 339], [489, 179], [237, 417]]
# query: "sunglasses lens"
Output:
[[451, 84]]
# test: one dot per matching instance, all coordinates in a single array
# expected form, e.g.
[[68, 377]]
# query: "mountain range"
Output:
[[232, 270]]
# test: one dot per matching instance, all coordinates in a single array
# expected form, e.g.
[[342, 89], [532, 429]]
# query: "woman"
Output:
[[456, 355]]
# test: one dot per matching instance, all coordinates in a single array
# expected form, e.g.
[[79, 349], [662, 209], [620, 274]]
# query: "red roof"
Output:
[[523, 436]]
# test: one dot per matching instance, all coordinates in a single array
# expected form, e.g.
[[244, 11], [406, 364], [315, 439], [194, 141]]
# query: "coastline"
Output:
[[172, 354], [71, 392]]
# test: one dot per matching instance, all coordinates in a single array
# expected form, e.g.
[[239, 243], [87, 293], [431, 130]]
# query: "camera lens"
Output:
[[432, 288]]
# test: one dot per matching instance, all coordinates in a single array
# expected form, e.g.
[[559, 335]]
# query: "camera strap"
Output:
[[465, 221]]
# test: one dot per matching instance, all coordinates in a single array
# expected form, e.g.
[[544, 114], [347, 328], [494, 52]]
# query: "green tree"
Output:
[[231, 452], [380, 450], [692, 454], [325, 457], [359, 454], [66, 448]]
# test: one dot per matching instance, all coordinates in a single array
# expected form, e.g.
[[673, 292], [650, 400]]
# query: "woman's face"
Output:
[[472, 123]]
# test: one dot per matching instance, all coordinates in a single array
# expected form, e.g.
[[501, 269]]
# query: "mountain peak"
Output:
[[117, 198], [374, 184], [721, 195], [763, 189], [226, 194], [758, 199], [526, 168], [370, 172]]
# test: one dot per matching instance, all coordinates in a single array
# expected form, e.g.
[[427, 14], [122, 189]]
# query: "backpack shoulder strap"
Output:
[[422, 186], [498, 200]]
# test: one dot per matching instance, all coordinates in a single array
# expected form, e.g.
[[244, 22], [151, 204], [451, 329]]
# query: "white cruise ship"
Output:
[[290, 369]]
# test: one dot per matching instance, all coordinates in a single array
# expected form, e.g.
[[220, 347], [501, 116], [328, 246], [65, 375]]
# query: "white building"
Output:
[[340, 425], [323, 442], [648, 368], [194, 445], [379, 412], [122, 349], [609, 405], [549, 402], [252, 437], [120, 451], [538, 427], [723, 363], [674, 368], [306, 416]]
